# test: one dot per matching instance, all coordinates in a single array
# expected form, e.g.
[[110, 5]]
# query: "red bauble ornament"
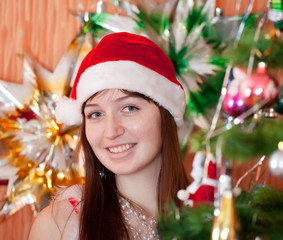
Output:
[[234, 104], [260, 86]]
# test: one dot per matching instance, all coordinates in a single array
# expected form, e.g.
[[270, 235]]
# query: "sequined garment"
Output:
[[139, 225]]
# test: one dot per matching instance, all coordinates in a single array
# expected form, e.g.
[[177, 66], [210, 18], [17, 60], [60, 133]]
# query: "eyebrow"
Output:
[[118, 100]]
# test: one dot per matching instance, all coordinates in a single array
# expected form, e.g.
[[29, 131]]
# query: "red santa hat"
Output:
[[124, 61]]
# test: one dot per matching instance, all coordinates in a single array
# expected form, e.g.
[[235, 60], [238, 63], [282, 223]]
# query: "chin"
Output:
[[123, 171]]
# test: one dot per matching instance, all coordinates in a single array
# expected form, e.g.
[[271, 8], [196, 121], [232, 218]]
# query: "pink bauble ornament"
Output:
[[276, 163], [260, 86], [233, 103]]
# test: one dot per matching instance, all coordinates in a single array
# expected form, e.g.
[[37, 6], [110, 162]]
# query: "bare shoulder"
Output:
[[44, 226], [55, 222]]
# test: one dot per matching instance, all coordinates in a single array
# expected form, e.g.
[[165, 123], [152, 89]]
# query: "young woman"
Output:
[[129, 104]]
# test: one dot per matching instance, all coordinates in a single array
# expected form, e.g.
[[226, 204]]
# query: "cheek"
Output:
[[156, 134], [149, 128], [92, 135]]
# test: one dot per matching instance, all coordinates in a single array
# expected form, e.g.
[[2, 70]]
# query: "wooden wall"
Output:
[[45, 28], [229, 6], [16, 227]]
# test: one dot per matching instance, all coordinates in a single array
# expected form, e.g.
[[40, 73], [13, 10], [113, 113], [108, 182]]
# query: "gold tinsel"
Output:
[[32, 143]]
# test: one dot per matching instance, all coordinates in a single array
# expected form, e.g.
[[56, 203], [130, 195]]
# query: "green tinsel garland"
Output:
[[208, 95], [260, 213], [94, 25]]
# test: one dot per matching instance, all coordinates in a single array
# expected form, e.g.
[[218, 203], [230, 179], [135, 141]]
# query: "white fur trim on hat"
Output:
[[126, 75]]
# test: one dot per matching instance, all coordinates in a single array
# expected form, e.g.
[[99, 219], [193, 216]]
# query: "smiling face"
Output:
[[124, 131]]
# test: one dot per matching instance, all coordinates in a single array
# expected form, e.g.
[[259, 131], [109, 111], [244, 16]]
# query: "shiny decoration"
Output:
[[259, 86], [265, 112], [234, 104], [31, 140], [226, 224], [276, 163]]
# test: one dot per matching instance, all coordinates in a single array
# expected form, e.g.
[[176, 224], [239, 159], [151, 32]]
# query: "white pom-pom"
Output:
[[182, 195], [68, 111]]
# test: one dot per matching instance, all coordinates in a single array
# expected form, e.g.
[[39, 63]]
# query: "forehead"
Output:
[[107, 95], [110, 94]]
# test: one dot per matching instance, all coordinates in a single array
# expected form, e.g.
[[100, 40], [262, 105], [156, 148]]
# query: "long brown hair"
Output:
[[101, 216]]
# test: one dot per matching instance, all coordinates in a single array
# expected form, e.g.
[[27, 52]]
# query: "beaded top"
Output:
[[138, 223]]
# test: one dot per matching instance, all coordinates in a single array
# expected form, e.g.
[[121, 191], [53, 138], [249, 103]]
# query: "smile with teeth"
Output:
[[121, 148]]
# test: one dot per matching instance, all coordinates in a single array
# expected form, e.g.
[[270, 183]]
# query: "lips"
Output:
[[120, 148]]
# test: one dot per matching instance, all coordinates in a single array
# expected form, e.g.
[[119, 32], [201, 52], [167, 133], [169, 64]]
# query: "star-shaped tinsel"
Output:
[[36, 150]]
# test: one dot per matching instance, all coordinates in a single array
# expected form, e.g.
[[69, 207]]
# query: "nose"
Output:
[[113, 127]]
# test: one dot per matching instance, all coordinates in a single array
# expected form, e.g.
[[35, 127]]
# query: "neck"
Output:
[[141, 187]]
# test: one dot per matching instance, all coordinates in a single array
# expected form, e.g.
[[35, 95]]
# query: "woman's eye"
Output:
[[94, 115], [130, 108]]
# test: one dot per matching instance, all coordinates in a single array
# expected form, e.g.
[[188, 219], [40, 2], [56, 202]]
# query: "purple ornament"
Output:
[[234, 104]]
